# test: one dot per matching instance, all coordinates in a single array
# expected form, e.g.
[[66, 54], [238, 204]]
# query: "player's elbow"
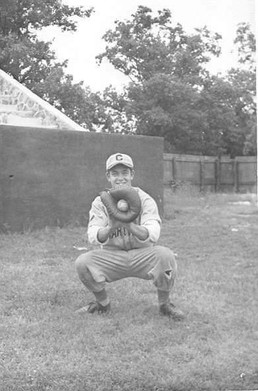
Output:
[[154, 231]]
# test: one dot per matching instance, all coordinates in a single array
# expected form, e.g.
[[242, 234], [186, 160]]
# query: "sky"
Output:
[[81, 47]]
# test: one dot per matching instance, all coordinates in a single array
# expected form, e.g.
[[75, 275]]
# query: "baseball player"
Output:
[[126, 249]]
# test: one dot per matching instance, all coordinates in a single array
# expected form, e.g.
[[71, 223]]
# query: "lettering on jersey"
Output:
[[121, 231]]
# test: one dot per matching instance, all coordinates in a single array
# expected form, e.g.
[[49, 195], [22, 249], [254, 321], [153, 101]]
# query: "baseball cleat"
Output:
[[169, 309], [93, 307]]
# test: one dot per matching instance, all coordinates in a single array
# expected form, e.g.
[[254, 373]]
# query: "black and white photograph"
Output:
[[128, 195]]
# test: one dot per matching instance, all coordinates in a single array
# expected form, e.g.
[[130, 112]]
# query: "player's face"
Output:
[[120, 176]]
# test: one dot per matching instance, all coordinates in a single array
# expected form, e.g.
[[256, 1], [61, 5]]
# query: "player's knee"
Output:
[[166, 257], [81, 262], [164, 253]]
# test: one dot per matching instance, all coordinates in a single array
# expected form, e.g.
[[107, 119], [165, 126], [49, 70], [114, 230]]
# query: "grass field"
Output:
[[46, 346]]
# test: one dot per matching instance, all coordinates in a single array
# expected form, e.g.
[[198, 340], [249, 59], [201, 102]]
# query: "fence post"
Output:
[[173, 164], [201, 174], [235, 168], [217, 175]]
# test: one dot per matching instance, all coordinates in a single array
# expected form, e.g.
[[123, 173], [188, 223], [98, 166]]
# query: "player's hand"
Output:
[[114, 224]]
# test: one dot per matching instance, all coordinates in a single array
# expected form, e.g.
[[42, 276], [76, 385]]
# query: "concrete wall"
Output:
[[50, 177]]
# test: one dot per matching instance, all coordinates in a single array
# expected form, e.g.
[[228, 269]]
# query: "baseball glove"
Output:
[[110, 198]]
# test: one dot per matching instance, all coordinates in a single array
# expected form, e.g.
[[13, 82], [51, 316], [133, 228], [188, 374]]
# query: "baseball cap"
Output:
[[119, 158]]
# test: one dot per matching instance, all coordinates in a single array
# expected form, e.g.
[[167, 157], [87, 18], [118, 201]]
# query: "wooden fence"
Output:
[[211, 173]]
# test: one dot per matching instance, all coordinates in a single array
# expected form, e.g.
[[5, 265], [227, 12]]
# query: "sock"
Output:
[[102, 297], [163, 297]]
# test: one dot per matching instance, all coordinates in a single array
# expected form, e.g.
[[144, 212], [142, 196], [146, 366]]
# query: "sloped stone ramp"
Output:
[[21, 107]]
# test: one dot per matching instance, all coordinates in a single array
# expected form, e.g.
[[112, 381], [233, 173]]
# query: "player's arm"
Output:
[[98, 227], [149, 228], [139, 231], [150, 219], [103, 233]]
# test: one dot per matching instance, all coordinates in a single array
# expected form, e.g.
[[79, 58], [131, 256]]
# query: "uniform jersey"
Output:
[[121, 238]]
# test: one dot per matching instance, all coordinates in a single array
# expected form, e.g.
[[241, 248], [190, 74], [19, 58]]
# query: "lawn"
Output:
[[46, 346]]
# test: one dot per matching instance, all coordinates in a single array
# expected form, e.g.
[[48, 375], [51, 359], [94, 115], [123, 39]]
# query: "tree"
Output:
[[190, 120], [32, 61], [147, 45], [112, 117], [246, 45], [218, 101], [243, 79], [250, 145], [166, 68], [24, 17], [163, 107], [73, 99], [171, 93]]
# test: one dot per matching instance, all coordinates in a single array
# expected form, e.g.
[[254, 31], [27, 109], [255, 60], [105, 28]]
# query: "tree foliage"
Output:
[[244, 81], [170, 91], [147, 45], [32, 61], [172, 94], [246, 45], [23, 17]]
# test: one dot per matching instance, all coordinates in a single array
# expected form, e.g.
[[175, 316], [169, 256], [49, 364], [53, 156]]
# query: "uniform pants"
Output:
[[97, 267]]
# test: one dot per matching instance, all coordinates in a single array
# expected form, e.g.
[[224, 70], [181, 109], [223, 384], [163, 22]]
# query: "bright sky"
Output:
[[81, 47]]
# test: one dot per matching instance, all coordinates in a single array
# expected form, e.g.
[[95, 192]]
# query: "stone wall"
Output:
[[20, 106], [49, 177]]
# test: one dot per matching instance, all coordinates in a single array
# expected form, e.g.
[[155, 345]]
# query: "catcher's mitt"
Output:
[[110, 197]]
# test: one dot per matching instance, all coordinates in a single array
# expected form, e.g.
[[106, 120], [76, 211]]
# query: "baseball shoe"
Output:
[[169, 309], [93, 307]]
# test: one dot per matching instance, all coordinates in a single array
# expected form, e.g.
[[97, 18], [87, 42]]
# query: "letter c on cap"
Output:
[[119, 157]]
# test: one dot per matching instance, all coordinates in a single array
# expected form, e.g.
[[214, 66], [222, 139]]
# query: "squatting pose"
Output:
[[126, 249]]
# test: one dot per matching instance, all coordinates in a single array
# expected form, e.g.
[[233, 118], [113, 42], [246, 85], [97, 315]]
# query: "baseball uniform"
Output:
[[123, 254]]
